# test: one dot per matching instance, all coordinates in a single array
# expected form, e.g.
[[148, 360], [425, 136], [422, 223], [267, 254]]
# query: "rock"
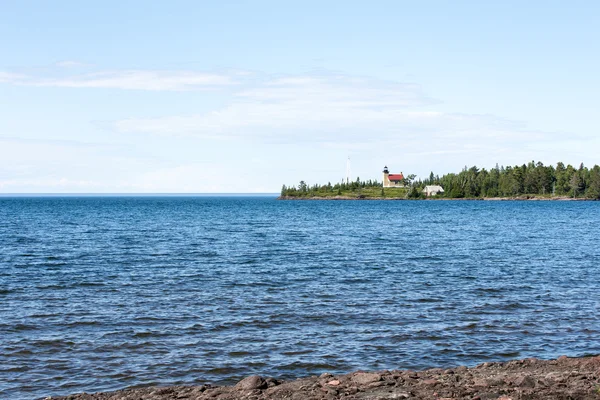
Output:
[[525, 381], [430, 382], [299, 385], [334, 382], [352, 390], [214, 393], [480, 382], [272, 382], [163, 391], [325, 375], [376, 384], [364, 378], [554, 376], [562, 358], [251, 382], [196, 392], [495, 381]]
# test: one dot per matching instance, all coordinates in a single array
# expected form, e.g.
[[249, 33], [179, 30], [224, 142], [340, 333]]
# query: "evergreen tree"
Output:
[[530, 179]]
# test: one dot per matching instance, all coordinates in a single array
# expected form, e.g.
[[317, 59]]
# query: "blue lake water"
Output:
[[101, 293]]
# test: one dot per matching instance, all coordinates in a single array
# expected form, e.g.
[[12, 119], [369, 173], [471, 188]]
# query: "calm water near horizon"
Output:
[[102, 293]]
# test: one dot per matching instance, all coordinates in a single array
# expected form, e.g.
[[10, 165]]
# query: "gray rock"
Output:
[[364, 378], [525, 381], [251, 383]]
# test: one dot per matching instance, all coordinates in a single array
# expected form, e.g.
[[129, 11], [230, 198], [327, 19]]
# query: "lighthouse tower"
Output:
[[386, 177]]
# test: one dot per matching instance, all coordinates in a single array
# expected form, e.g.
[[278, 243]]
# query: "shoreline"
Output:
[[517, 198], [531, 378]]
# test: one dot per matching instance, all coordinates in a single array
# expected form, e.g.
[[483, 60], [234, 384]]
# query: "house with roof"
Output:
[[392, 180], [433, 190]]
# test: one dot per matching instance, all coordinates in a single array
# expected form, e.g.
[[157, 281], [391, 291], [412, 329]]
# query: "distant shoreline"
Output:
[[517, 198]]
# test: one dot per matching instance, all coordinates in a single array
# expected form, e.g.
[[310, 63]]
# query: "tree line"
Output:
[[533, 178], [527, 179], [306, 190]]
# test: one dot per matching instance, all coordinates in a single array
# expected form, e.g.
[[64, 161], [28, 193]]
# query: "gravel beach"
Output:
[[564, 378]]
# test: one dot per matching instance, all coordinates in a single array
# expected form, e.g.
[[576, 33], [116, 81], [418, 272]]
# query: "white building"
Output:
[[433, 190]]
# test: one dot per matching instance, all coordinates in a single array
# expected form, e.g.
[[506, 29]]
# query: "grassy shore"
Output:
[[372, 193]]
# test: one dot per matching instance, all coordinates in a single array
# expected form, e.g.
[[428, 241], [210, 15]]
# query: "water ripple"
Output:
[[103, 293]]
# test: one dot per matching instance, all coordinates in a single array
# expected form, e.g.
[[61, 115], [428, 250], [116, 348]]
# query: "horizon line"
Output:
[[24, 194]]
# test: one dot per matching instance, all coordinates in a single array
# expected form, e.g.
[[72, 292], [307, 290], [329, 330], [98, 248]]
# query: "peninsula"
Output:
[[532, 181]]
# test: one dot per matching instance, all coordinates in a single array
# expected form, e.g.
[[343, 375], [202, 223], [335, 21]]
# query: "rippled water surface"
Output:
[[100, 293]]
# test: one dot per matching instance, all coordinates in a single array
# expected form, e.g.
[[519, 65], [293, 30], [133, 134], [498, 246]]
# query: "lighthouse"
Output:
[[386, 177], [392, 180]]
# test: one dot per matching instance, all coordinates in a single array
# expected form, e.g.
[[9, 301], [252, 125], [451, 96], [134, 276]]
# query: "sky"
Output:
[[245, 96]]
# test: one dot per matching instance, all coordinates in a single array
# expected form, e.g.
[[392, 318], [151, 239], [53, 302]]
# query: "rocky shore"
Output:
[[564, 378], [517, 198]]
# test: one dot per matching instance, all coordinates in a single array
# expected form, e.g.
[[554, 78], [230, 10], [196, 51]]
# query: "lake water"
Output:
[[102, 293]]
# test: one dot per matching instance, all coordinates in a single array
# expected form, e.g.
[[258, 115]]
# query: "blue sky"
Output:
[[244, 96]]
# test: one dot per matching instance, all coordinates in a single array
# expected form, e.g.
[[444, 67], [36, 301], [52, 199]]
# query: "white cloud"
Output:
[[339, 110], [197, 178], [302, 107], [126, 80], [141, 80], [62, 184], [71, 64], [304, 125], [46, 165], [8, 77], [59, 166]]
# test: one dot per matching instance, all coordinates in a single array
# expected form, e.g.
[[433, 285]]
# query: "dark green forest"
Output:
[[532, 179]]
